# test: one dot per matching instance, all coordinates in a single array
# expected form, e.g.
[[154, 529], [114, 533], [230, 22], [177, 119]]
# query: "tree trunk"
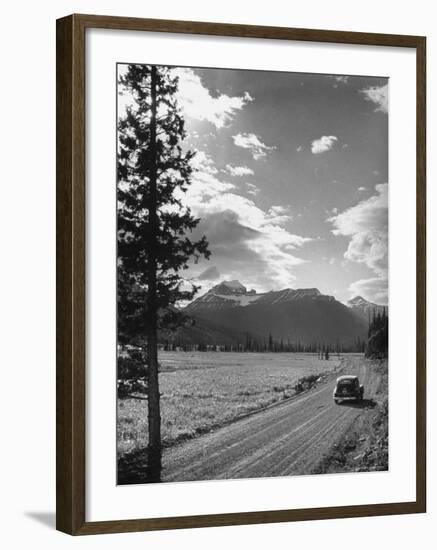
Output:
[[154, 448]]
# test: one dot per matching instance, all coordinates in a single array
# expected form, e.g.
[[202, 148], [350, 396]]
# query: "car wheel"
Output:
[[336, 401]]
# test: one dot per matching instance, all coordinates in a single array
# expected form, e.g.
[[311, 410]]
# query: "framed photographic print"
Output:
[[240, 274]]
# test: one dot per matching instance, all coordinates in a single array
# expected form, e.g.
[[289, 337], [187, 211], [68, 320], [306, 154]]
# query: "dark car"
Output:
[[348, 388]]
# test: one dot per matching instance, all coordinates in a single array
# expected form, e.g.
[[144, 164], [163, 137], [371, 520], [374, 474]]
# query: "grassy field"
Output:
[[203, 390]]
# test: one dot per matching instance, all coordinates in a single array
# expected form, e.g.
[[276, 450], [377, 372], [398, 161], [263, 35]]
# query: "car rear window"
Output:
[[346, 384]]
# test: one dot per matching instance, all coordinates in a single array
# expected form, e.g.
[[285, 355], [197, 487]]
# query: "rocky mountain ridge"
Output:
[[296, 315], [229, 294]]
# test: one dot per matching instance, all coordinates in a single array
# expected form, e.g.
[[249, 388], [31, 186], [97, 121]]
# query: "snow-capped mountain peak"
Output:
[[236, 285], [364, 308], [358, 301], [303, 314], [233, 294], [224, 294]]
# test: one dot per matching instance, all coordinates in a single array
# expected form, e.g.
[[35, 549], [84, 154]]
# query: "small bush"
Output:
[[306, 383], [127, 388]]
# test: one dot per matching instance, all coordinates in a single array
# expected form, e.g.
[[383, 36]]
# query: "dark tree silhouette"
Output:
[[154, 246], [270, 342], [377, 342]]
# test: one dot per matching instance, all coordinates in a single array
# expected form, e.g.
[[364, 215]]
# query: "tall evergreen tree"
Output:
[[377, 342], [270, 342], [154, 244]]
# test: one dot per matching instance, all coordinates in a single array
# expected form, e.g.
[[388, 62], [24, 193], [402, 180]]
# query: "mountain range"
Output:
[[365, 308], [229, 312]]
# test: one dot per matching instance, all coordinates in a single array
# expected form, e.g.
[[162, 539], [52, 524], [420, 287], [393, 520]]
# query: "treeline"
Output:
[[254, 344], [377, 337]]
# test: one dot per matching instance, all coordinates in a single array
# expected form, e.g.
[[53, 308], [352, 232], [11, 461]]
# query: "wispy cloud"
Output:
[[205, 182], [252, 189], [197, 102], [299, 149], [279, 214], [374, 289], [377, 95], [323, 144], [253, 143], [239, 171]]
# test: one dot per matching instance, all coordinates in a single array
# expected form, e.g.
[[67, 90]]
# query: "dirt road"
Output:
[[287, 439]]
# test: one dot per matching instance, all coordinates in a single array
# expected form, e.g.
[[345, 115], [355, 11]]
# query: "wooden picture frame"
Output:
[[71, 252]]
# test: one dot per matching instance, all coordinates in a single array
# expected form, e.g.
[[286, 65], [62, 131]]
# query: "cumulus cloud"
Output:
[[239, 170], [203, 162], [366, 225], [323, 144], [197, 102], [246, 242], [253, 143], [377, 95]]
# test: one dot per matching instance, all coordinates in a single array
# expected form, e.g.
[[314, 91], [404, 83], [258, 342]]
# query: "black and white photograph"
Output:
[[252, 274], [219, 219]]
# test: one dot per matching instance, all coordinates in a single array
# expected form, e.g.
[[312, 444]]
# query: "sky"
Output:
[[291, 179]]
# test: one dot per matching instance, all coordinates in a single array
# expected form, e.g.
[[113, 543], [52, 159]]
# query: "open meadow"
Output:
[[204, 390]]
